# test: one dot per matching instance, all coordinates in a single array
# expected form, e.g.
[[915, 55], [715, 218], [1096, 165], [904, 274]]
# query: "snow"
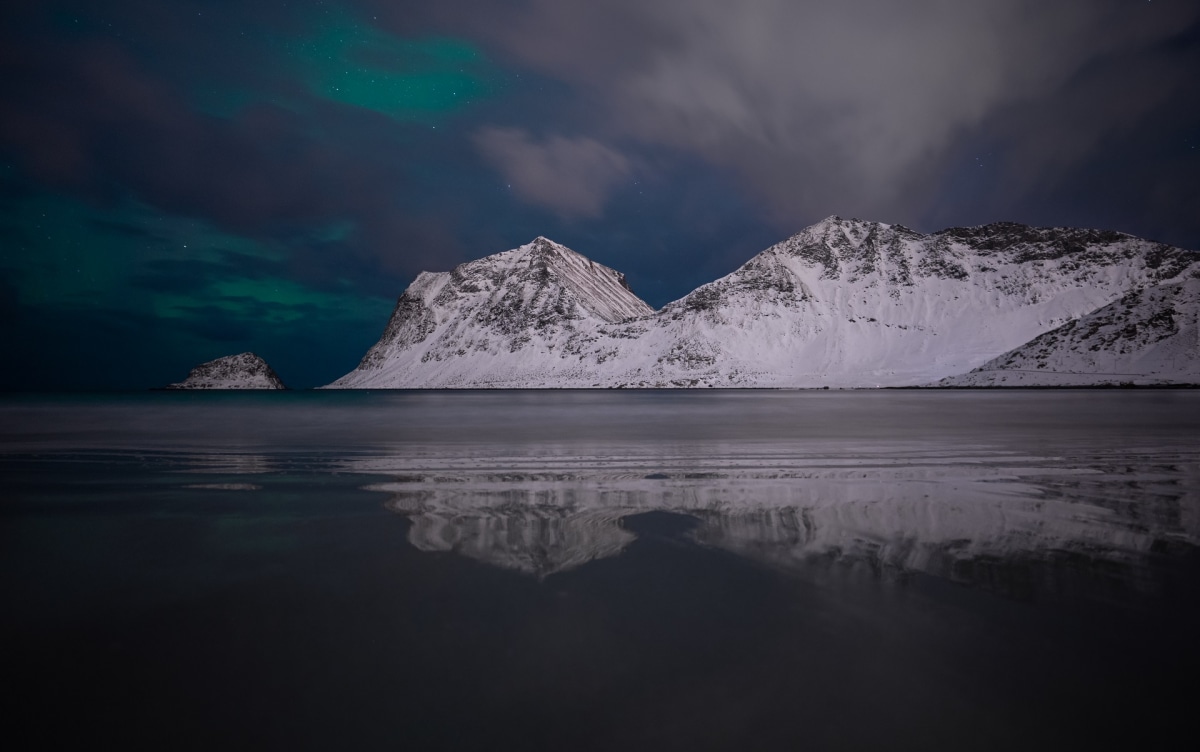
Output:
[[1149, 336], [844, 303], [242, 371]]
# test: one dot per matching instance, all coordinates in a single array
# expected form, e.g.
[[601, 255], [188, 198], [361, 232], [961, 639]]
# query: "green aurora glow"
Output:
[[68, 254], [353, 62]]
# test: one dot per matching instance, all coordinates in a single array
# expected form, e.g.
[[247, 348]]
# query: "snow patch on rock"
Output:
[[242, 371]]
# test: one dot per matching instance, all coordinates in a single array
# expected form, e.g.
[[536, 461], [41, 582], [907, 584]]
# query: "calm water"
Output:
[[602, 570]]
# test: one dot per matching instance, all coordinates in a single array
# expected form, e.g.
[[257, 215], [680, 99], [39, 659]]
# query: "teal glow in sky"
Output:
[[185, 179], [352, 62], [65, 258], [71, 254], [338, 56]]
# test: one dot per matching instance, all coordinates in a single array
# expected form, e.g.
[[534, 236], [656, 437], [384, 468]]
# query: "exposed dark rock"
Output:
[[243, 371]]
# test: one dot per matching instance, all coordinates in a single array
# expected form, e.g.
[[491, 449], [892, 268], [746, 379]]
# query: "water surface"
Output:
[[603, 570]]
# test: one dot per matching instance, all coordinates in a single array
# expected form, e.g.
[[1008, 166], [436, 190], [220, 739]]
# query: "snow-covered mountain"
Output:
[[844, 303], [525, 317], [1149, 336], [242, 371]]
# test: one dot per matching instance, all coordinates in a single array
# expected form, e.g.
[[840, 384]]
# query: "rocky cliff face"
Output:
[[844, 303], [242, 371]]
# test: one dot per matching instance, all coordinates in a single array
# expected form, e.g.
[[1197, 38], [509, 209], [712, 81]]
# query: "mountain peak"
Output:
[[840, 227], [601, 290], [525, 300], [542, 250], [833, 221], [845, 302], [542, 245]]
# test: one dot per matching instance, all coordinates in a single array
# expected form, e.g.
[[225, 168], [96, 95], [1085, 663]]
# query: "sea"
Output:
[[601, 570]]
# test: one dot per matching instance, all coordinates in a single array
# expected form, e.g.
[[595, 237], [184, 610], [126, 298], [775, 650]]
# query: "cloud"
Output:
[[571, 176], [93, 117], [856, 106]]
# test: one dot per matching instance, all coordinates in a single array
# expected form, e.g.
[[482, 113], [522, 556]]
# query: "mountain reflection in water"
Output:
[[1009, 523], [597, 571]]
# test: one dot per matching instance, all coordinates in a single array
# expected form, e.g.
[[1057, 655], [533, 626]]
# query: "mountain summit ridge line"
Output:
[[842, 303]]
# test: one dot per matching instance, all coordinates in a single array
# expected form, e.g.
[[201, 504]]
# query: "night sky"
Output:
[[181, 180]]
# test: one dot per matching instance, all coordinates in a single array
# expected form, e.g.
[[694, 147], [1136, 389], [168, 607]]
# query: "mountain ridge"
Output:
[[847, 303]]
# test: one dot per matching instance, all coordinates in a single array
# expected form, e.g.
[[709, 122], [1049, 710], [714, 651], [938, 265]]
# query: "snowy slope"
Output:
[[842, 303], [850, 303], [1149, 336], [514, 318], [243, 371]]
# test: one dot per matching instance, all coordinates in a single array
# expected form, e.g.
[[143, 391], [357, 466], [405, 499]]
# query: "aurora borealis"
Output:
[[181, 180]]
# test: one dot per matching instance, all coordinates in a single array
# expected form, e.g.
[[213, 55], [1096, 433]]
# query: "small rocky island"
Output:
[[243, 371]]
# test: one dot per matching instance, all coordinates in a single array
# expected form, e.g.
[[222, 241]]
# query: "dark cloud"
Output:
[[856, 106], [125, 229], [219, 176], [96, 117], [88, 117], [191, 276]]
